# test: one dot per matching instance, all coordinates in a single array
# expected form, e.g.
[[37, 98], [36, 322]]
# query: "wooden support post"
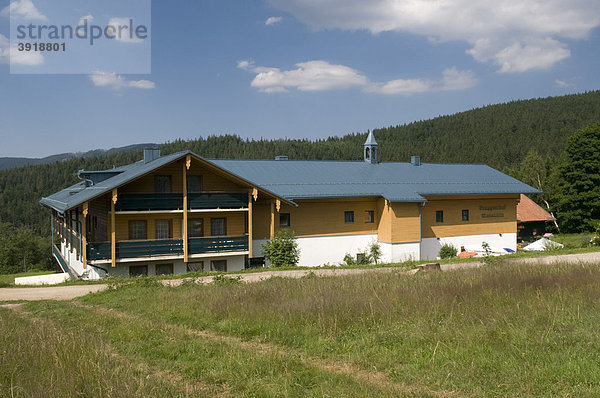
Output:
[[70, 226], [250, 224], [186, 166], [84, 234], [113, 233], [272, 225]]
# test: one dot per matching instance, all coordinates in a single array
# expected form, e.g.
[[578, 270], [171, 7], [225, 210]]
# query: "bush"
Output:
[[374, 252], [448, 251], [282, 250]]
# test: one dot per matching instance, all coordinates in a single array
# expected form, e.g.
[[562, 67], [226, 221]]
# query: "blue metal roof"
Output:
[[290, 180], [397, 182]]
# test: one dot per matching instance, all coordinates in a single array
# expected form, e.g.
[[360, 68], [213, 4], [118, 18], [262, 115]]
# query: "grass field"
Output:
[[500, 330]]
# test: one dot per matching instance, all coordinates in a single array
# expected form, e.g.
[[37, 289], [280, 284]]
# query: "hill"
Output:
[[498, 135], [10, 162]]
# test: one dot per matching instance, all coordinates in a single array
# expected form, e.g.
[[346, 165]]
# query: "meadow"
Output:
[[499, 330]]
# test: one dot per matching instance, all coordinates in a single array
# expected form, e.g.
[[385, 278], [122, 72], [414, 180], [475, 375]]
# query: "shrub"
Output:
[[374, 252], [448, 251], [282, 250]]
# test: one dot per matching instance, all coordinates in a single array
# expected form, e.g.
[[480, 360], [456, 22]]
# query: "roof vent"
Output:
[[282, 157], [415, 160], [151, 154]]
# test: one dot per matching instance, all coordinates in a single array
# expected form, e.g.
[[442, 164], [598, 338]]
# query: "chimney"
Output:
[[415, 160], [151, 154]]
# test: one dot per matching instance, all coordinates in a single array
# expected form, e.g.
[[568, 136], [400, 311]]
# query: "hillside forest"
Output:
[[552, 144]]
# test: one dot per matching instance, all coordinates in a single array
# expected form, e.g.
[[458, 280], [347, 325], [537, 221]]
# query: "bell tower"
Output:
[[370, 149]]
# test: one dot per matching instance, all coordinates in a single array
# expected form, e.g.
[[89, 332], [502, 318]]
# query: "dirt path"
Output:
[[48, 293], [70, 292], [374, 377]]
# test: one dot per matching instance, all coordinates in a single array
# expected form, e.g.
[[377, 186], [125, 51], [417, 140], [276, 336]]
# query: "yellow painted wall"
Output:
[[318, 217], [503, 220], [399, 222], [236, 223], [211, 181]]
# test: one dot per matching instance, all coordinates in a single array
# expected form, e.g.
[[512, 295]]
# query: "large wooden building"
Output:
[[181, 212]]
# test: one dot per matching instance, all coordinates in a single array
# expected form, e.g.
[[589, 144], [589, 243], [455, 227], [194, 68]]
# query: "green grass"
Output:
[[41, 359], [575, 240], [498, 330], [10, 278]]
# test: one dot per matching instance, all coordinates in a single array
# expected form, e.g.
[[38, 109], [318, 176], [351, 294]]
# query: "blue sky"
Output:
[[302, 69]]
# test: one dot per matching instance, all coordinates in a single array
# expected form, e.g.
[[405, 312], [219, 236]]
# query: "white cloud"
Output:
[[516, 35], [563, 84], [453, 79], [24, 9], [320, 75], [88, 17], [12, 55], [273, 20], [121, 30], [118, 82]]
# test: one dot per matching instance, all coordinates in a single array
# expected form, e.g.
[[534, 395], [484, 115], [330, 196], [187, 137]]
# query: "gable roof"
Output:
[[82, 192], [289, 180], [528, 210]]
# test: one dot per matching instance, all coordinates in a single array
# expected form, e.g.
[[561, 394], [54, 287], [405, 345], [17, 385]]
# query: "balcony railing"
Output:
[[174, 201], [217, 244], [151, 248]]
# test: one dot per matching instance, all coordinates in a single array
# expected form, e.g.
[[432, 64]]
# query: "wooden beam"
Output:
[[84, 234], [250, 224], [70, 226], [113, 233], [185, 209], [278, 205], [272, 225], [255, 194]]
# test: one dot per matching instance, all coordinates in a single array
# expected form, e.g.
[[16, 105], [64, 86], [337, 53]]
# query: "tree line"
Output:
[[532, 140]]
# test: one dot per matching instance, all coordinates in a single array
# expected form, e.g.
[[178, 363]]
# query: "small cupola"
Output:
[[370, 149]]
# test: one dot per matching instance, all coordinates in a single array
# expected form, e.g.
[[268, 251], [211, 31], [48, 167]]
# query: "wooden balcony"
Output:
[[170, 247], [174, 201]]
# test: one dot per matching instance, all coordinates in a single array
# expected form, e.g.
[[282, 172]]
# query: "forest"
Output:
[[526, 139]]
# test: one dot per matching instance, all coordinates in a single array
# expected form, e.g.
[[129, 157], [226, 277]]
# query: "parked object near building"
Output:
[[531, 219], [182, 212]]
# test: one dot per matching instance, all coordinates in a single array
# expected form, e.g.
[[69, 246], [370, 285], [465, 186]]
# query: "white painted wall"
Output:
[[430, 247], [319, 250], [51, 279], [399, 252], [234, 263]]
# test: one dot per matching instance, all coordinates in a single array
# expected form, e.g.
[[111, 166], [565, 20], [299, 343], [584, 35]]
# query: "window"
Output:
[[465, 215], [218, 265], [138, 270], [218, 226], [196, 228], [164, 229], [284, 220], [194, 184], [164, 269], [162, 184], [137, 230], [349, 217], [369, 217], [195, 267], [439, 216]]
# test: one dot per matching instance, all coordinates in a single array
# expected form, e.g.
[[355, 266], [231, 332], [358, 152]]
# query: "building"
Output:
[[531, 220], [181, 212]]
